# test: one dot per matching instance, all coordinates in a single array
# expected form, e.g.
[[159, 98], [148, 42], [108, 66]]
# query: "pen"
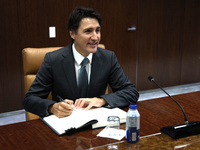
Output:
[[62, 100]]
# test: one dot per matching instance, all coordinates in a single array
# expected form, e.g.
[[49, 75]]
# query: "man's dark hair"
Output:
[[78, 14]]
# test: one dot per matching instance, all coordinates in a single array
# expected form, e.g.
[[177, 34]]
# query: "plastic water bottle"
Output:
[[132, 124]]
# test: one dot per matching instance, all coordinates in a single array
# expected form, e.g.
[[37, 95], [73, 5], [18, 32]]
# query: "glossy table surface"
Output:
[[156, 142], [155, 113]]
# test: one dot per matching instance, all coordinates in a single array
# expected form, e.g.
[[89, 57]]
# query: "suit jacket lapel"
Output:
[[69, 69], [95, 70]]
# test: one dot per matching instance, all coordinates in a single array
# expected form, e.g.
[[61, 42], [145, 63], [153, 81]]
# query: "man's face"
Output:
[[87, 37]]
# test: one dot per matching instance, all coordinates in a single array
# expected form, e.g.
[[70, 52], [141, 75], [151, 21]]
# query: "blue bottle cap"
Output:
[[133, 106]]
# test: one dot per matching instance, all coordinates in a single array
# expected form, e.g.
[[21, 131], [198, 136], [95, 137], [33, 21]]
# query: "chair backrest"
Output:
[[32, 60]]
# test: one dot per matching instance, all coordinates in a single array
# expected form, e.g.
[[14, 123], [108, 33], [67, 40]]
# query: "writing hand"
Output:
[[62, 109], [88, 103]]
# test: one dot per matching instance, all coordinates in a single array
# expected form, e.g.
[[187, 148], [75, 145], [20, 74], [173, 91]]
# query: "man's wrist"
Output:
[[49, 111], [104, 102]]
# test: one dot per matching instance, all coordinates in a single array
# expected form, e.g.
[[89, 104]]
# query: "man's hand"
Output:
[[62, 109], [88, 103]]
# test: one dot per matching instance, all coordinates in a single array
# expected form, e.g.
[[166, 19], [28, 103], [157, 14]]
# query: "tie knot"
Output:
[[85, 61]]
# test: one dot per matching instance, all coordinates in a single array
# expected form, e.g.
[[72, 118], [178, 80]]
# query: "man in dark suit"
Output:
[[59, 73]]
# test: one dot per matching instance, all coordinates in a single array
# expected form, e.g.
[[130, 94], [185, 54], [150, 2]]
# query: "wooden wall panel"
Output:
[[159, 53], [35, 18], [10, 58], [190, 68]]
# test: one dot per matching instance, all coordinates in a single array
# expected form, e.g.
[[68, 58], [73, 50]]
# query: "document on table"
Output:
[[95, 118]]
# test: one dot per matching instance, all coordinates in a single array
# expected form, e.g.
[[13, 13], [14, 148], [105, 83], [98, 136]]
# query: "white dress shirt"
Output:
[[78, 59]]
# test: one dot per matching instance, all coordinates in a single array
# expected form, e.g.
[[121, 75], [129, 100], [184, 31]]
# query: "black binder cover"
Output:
[[71, 131]]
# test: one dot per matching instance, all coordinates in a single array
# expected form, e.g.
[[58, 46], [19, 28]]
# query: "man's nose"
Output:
[[94, 36]]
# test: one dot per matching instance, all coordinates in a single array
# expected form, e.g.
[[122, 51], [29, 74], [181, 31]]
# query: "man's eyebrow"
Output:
[[89, 28]]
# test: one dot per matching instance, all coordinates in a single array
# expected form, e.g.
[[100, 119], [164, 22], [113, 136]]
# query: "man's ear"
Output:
[[72, 34]]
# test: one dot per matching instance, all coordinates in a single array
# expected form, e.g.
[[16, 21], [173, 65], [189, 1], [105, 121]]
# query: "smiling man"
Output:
[[87, 38], [80, 73]]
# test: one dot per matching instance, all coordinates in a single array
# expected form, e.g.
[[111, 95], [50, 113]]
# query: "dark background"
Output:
[[166, 43]]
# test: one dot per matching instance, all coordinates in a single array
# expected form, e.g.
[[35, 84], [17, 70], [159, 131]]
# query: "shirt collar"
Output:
[[78, 57]]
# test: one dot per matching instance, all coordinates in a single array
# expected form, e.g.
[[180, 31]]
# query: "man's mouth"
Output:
[[93, 44]]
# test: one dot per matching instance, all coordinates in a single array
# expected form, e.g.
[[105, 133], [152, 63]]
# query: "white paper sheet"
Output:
[[112, 133]]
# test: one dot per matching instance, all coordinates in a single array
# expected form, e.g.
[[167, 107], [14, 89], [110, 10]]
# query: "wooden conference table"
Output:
[[155, 113]]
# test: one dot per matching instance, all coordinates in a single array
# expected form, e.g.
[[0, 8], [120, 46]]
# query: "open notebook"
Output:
[[95, 118]]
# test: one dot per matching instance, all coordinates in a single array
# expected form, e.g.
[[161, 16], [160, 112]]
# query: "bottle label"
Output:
[[134, 122], [132, 135]]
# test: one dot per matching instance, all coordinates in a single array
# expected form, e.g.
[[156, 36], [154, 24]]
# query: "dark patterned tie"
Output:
[[83, 79]]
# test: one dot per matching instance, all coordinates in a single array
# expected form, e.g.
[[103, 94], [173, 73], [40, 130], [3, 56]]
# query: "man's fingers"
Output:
[[62, 109], [78, 103], [62, 114], [82, 102], [70, 102], [65, 107], [88, 103], [88, 107]]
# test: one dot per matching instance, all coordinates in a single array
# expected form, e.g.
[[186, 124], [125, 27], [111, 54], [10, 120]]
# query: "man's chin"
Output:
[[93, 50]]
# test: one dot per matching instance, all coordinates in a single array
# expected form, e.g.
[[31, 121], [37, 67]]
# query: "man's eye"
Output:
[[98, 30], [87, 31]]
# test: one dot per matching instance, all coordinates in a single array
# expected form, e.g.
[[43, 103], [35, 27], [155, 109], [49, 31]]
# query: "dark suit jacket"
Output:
[[57, 74]]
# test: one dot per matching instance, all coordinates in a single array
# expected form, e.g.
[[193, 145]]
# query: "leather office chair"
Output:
[[32, 60]]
